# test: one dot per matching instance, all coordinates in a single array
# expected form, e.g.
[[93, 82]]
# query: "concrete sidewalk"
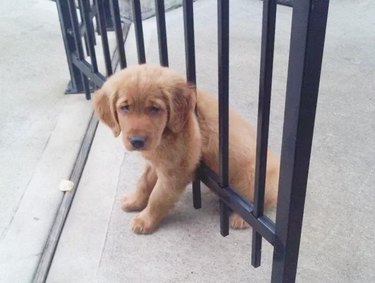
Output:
[[40, 132], [97, 244]]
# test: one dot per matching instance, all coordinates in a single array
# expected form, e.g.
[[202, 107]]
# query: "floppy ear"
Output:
[[181, 100], [105, 109]]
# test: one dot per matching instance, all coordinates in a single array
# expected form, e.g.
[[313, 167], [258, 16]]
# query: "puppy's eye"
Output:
[[154, 109], [125, 108]]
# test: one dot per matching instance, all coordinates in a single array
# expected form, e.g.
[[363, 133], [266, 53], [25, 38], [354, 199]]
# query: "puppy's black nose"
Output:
[[137, 141]]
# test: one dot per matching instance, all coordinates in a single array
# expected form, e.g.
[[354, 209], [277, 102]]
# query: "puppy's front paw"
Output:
[[132, 202], [143, 224], [237, 222]]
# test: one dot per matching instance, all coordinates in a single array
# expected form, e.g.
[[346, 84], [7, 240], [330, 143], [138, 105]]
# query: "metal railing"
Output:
[[305, 58]]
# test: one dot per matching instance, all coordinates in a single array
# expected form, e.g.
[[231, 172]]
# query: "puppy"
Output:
[[154, 108]]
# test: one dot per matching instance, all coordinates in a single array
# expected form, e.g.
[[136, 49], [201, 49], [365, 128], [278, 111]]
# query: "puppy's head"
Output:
[[144, 102]]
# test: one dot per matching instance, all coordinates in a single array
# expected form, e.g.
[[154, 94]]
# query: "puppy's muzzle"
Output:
[[137, 142]]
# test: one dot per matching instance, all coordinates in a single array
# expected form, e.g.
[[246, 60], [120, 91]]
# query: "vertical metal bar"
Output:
[[115, 11], [189, 40], [223, 40], [78, 42], [265, 86], [224, 219], [188, 12], [103, 32], [137, 17], [162, 34], [95, 8], [89, 34], [305, 60], [76, 83], [107, 14], [82, 28], [197, 197]]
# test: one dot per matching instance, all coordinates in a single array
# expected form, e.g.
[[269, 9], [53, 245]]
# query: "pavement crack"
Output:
[[109, 219], [15, 210]]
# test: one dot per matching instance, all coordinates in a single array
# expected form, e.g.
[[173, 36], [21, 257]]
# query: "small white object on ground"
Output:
[[66, 185]]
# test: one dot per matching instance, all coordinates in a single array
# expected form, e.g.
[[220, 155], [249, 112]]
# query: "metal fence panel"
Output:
[[305, 58]]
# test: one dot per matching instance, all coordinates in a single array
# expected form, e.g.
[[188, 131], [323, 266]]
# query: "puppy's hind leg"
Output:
[[237, 222], [137, 200]]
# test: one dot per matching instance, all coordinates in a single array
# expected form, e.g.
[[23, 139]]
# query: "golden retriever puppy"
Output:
[[154, 108]]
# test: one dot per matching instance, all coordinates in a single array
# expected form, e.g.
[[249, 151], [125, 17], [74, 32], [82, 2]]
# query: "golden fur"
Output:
[[156, 104]]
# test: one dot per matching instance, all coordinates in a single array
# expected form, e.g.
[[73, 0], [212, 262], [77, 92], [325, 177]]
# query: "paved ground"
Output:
[[337, 242], [40, 131]]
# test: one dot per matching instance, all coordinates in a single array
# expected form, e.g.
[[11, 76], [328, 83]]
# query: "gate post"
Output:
[[75, 84], [305, 60]]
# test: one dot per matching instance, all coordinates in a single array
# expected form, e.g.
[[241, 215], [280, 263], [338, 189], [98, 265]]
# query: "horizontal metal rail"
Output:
[[263, 225], [97, 78]]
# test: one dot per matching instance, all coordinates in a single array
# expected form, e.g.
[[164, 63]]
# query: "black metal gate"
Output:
[[80, 22]]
